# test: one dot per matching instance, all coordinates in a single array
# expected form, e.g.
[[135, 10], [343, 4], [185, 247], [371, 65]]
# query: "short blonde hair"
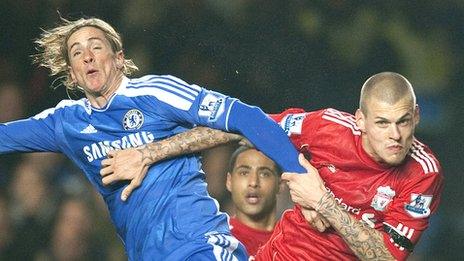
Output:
[[53, 51], [388, 87]]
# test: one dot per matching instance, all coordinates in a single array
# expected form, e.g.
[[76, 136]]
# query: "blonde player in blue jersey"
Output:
[[170, 216]]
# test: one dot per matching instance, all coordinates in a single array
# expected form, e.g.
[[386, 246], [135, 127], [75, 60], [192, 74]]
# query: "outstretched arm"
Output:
[[308, 191], [132, 164]]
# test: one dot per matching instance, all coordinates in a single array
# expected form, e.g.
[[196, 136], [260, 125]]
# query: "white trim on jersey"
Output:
[[418, 153], [342, 119], [167, 97], [64, 103], [168, 89], [176, 86], [402, 230], [223, 246], [193, 86]]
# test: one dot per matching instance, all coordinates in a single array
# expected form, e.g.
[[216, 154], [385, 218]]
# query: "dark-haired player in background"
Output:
[[253, 181]]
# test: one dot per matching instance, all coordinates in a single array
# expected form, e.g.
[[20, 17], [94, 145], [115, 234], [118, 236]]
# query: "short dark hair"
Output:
[[240, 150]]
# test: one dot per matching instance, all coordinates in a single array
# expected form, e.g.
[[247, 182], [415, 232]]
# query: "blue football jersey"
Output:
[[172, 205]]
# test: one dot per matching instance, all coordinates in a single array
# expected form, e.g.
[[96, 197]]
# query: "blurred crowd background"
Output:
[[272, 53]]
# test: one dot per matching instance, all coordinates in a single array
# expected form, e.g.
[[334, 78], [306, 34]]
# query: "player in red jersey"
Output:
[[368, 176], [254, 183]]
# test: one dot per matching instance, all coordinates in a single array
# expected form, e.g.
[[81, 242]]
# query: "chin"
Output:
[[394, 161]]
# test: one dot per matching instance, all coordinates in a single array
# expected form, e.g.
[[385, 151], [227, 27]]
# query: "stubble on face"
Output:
[[389, 130]]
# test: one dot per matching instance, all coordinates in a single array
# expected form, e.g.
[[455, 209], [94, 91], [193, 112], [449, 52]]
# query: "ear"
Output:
[[360, 120], [119, 56], [416, 115], [229, 182], [71, 73], [282, 184]]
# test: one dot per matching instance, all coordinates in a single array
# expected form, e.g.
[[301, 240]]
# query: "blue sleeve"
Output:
[[265, 134], [198, 106], [28, 135]]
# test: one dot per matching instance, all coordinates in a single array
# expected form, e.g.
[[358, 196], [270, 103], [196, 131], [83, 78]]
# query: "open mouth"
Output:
[[91, 71], [252, 198]]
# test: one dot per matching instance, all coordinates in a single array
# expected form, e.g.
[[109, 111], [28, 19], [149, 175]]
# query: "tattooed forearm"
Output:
[[194, 140], [367, 243]]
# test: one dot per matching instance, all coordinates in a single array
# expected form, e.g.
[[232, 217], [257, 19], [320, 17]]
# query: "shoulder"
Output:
[[166, 88], [339, 119], [64, 105], [162, 81], [422, 160]]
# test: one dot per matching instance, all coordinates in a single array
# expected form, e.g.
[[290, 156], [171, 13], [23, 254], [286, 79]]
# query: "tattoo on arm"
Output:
[[367, 243], [194, 140]]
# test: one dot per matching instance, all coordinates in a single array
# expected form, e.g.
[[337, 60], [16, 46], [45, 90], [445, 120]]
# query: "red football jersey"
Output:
[[250, 237], [401, 198]]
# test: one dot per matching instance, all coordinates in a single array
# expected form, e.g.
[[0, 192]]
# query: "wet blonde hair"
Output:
[[52, 49]]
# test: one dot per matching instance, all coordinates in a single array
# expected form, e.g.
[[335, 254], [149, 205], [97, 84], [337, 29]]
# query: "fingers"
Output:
[[128, 190], [286, 176], [135, 183], [319, 225], [108, 179], [111, 153], [245, 142], [108, 170], [325, 221], [305, 163]]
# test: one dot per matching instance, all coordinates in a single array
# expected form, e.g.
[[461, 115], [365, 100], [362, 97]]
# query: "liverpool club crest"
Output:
[[383, 197]]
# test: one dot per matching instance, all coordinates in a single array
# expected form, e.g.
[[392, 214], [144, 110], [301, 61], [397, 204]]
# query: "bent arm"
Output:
[[194, 140], [367, 243], [308, 191]]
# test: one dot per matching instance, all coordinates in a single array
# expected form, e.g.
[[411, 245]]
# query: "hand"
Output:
[[245, 142], [305, 189], [315, 219], [124, 165]]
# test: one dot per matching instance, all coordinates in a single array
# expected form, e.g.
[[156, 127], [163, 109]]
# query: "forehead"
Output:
[[378, 108], [253, 157], [84, 34]]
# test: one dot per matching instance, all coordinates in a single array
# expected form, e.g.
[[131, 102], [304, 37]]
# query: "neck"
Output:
[[101, 98], [265, 223]]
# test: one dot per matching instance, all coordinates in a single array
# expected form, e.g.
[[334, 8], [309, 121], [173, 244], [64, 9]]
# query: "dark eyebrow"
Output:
[[249, 167], [243, 166], [266, 168]]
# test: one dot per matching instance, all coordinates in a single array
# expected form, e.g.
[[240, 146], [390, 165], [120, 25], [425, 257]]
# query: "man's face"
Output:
[[254, 184], [93, 65], [388, 130]]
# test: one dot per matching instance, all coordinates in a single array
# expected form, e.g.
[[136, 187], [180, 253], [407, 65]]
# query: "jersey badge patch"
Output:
[[332, 168], [419, 206], [383, 197], [132, 120], [212, 107], [293, 123]]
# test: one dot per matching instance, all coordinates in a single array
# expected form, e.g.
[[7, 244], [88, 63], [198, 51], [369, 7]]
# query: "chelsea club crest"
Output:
[[133, 120]]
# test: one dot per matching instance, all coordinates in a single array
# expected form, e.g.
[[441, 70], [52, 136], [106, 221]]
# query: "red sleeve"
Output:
[[410, 212]]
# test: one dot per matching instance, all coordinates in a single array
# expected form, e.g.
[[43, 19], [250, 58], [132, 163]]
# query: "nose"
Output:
[[253, 179], [394, 132], [88, 56]]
